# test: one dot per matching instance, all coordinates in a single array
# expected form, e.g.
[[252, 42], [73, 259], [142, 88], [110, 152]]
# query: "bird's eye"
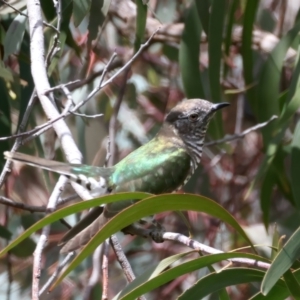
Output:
[[193, 117]]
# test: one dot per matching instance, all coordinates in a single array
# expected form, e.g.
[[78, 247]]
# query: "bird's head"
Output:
[[190, 118]]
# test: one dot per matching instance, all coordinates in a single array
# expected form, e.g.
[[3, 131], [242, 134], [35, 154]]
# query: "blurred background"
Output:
[[239, 51]]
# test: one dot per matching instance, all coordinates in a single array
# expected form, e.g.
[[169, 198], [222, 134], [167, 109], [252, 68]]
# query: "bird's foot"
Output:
[[155, 230]]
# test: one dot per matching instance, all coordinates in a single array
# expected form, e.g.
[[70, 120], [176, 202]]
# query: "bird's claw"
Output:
[[156, 232]]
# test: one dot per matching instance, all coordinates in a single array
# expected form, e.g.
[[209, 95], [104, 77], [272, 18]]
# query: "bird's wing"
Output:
[[154, 168]]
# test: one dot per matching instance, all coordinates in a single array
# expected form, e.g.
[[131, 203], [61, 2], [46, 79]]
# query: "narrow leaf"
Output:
[[215, 41], [137, 288], [189, 54], [215, 281], [71, 209], [14, 36], [151, 206], [283, 261], [295, 165], [292, 284]]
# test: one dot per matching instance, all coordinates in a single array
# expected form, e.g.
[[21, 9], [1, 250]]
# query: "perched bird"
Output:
[[162, 165]]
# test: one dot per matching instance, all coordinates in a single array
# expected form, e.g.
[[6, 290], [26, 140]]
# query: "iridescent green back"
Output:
[[157, 167]]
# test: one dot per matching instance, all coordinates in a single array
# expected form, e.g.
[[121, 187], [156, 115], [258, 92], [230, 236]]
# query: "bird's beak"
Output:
[[218, 106]]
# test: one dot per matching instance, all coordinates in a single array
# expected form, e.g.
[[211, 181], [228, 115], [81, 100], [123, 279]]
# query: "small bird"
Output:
[[162, 165]]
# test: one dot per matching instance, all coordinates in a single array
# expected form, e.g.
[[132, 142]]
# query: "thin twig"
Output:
[[37, 260], [56, 273], [87, 116], [18, 141], [55, 49], [105, 270], [108, 155], [59, 87], [95, 275], [20, 205], [109, 67], [44, 127], [241, 135], [122, 259], [23, 14]]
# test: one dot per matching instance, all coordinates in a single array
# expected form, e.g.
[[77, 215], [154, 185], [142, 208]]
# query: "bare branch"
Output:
[[87, 116], [56, 273], [20, 205], [17, 143], [171, 236], [105, 270], [238, 136], [121, 257], [44, 127], [96, 272], [23, 14]]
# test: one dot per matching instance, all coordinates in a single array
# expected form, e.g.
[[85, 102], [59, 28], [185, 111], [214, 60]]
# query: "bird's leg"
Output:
[[146, 228]]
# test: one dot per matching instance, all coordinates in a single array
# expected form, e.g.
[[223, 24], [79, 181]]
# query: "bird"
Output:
[[163, 165]]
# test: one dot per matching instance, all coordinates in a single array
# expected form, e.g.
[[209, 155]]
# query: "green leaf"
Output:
[[80, 10], [25, 74], [151, 206], [249, 17], [267, 98], [48, 10], [5, 233], [293, 96], [14, 36], [99, 9], [203, 12], [5, 122], [278, 292], [215, 281], [189, 52], [6, 74], [71, 209], [228, 39], [295, 165], [141, 19], [153, 272], [283, 261], [222, 293], [215, 40], [67, 10], [265, 195], [275, 175], [292, 284], [56, 59], [24, 249], [152, 279], [276, 242]]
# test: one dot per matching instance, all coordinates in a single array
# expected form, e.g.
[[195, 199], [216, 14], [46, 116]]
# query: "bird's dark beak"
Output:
[[218, 106]]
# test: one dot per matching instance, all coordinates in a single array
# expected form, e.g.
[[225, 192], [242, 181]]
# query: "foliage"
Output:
[[242, 52]]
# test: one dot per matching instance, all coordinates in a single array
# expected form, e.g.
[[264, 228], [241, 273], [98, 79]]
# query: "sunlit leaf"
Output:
[[150, 280], [283, 261], [14, 36], [295, 165], [151, 206]]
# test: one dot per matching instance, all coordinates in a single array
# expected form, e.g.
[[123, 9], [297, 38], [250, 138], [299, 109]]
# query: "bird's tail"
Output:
[[83, 237], [92, 178]]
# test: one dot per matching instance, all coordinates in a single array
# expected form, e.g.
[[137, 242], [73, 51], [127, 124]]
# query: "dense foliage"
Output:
[[115, 68]]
